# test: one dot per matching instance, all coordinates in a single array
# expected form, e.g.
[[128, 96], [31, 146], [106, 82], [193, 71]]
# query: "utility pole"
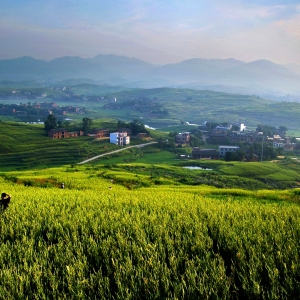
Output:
[[262, 148]]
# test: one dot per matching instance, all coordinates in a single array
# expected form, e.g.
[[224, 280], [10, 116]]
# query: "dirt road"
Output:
[[115, 151]]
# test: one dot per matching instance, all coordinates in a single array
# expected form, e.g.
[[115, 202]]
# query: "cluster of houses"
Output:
[[225, 134], [121, 137], [51, 107], [198, 153], [62, 133], [41, 109]]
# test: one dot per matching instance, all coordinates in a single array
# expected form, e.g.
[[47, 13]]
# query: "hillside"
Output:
[[196, 106], [98, 240], [27, 147]]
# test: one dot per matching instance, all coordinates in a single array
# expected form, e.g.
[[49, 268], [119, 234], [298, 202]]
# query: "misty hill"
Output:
[[101, 67], [260, 77], [293, 67]]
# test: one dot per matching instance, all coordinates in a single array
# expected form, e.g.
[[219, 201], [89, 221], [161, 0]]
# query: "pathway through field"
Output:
[[115, 151]]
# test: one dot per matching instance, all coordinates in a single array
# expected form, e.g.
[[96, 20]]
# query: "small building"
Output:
[[100, 133], [75, 133], [119, 138], [198, 153], [278, 145], [182, 138], [222, 127], [242, 127], [142, 135], [224, 149], [128, 131], [58, 133], [289, 147], [237, 136], [62, 133], [218, 136]]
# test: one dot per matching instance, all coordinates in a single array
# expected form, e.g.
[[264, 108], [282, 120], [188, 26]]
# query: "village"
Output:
[[38, 109], [228, 142]]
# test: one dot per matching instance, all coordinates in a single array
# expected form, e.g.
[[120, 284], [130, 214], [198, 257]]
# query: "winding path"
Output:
[[115, 151]]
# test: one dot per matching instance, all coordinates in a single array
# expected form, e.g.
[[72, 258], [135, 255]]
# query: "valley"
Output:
[[155, 220]]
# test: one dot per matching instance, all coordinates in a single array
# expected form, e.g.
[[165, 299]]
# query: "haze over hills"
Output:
[[261, 77]]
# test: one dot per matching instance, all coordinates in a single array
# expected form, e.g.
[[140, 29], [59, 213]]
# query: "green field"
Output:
[[139, 223], [90, 241], [27, 147]]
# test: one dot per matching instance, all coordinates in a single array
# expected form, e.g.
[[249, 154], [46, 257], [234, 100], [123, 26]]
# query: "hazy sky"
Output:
[[157, 31]]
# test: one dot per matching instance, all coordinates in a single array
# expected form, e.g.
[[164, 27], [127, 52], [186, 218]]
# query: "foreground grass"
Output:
[[90, 241]]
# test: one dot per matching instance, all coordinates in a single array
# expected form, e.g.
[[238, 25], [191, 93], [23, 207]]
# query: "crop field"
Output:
[[27, 146], [97, 239]]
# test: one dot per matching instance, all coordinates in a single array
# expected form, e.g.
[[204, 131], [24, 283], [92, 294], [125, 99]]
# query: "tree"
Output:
[[251, 153], [137, 126], [173, 134], [50, 122], [87, 124], [283, 129], [240, 155], [121, 124], [196, 139], [228, 156]]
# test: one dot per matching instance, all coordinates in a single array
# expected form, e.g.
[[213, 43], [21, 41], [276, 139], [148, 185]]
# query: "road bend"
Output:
[[116, 151]]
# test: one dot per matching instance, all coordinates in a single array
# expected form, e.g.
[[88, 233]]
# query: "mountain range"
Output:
[[261, 77]]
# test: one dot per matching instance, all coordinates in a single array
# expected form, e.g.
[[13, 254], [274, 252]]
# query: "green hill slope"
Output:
[[98, 240], [197, 106], [27, 146]]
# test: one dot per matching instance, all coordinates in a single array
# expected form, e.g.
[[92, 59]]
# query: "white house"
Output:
[[119, 138], [242, 127], [224, 149]]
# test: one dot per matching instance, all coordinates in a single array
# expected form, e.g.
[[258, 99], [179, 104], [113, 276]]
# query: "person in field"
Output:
[[5, 199], [62, 186]]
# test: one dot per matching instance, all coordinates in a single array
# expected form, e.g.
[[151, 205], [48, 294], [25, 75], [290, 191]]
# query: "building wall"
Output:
[[118, 138], [182, 138], [113, 138], [224, 149]]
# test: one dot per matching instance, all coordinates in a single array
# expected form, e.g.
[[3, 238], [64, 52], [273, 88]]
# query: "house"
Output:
[[237, 136], [61, 133], [58, 133], [128, 131], [182, 138], [142, 135], [218, 136], [224, 149], [75, 133], [278, 145], [100, 133], [289, 147], [119, 138], [221, 127], [198, 153]]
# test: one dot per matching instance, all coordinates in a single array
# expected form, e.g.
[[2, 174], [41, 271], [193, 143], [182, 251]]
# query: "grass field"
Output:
[[90, 241], [27, 147]]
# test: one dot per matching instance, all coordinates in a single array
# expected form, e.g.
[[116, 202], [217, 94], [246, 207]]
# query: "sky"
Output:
[[156, 31]]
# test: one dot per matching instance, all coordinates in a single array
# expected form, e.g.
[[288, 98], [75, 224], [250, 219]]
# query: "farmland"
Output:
[[99, 239], [138, 223]]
